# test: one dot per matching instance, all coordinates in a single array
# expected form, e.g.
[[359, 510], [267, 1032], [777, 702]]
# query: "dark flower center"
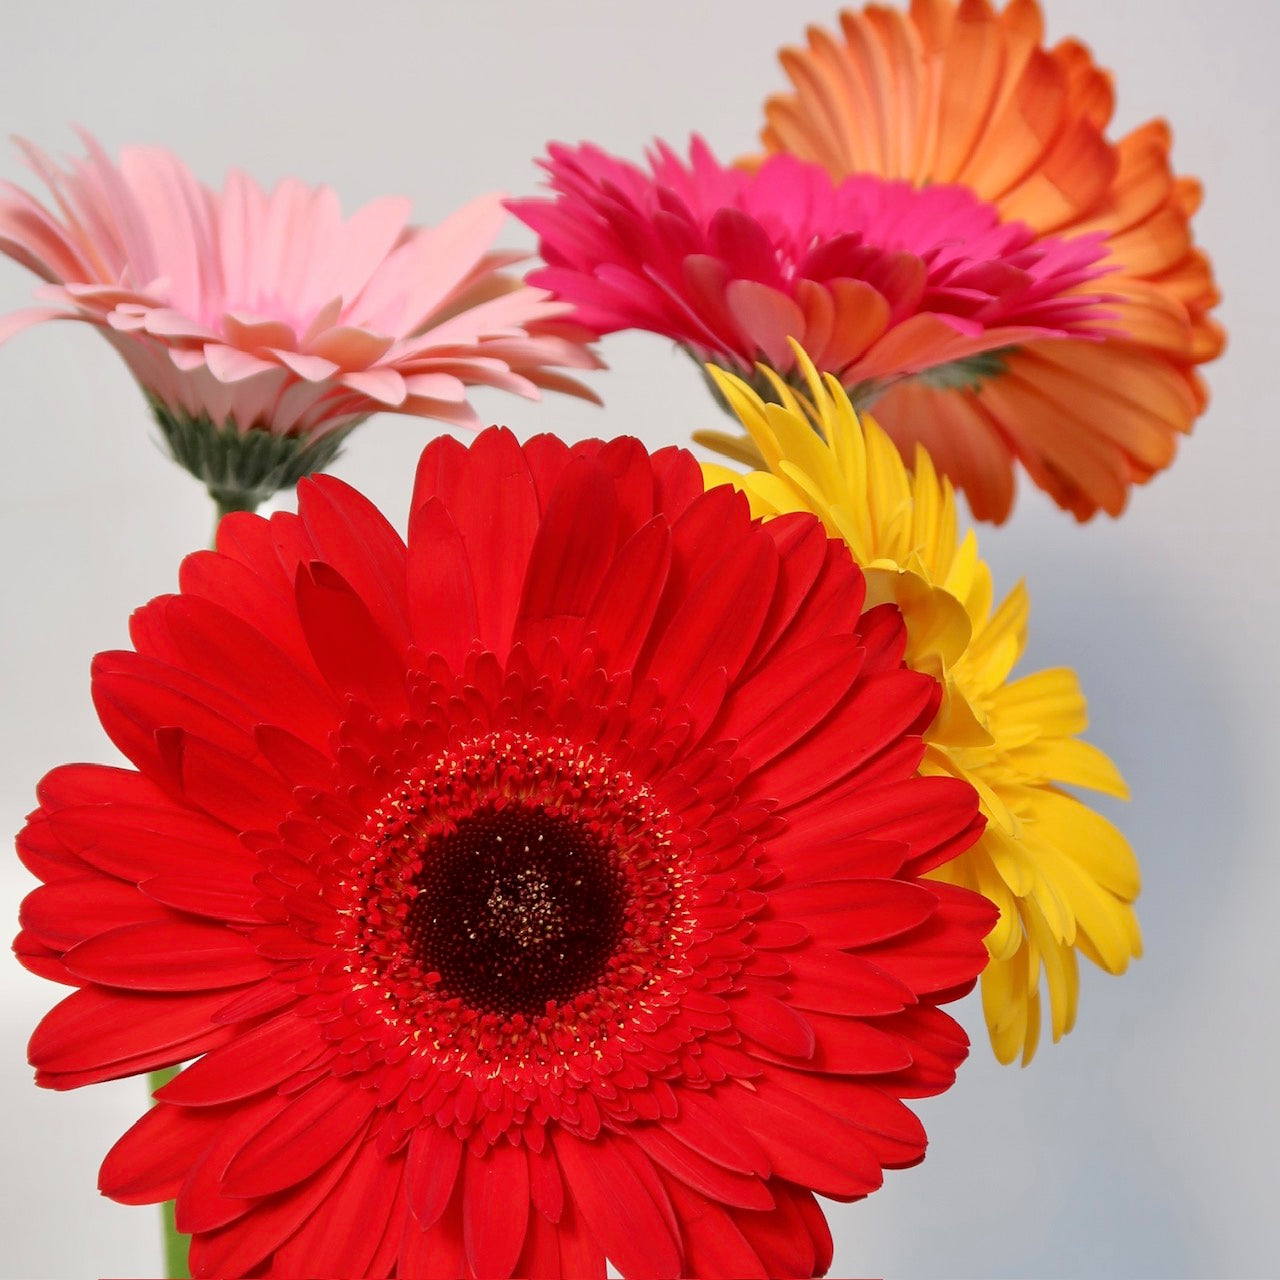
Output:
[[516, 908]]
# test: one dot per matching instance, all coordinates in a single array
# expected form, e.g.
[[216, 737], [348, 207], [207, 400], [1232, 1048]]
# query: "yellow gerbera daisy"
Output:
[[1063, 877]]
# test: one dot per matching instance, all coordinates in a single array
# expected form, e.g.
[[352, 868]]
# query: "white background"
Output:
[[1145, 1144]]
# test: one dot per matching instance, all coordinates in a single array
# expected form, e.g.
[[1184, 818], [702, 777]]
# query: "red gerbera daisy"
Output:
[[877, 280], [544, 891]]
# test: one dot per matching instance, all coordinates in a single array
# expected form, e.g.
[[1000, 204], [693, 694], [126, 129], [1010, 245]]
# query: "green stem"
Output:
[[175, 1244], [225, 502]]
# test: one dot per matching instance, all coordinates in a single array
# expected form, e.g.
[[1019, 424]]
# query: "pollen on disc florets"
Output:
[[521, 901]]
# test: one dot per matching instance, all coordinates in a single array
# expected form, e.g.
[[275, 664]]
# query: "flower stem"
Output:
[[175, 1244], [224, 503]]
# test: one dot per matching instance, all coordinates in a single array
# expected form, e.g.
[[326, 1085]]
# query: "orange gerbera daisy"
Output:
[[959, 93]]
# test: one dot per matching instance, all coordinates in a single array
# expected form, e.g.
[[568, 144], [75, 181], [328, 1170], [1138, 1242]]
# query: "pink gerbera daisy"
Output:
[[262, 325], [878, 280], [545, 890]]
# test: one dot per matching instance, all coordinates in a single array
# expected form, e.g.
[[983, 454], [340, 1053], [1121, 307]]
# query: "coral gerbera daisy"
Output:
[[1063, 877], [959, 93], [262, 326], [879, 281], [545, 890]]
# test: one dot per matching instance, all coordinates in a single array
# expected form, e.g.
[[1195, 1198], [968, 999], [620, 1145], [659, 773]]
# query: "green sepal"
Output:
[[242, 469], [967, 374]]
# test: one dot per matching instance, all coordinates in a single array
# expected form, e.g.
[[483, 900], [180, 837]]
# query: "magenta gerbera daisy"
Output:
[[263, 326], [878, 280], [544, 890]]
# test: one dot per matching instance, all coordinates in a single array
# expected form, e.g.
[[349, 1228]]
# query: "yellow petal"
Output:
[[1061, 975], [1046, 703], [1064, 824], [1004, 1003], [741, 449], [1071, 761]]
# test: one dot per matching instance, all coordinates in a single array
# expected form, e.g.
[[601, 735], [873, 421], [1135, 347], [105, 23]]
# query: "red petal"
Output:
[[789, 1241], [260, 590], [383, 1262], [698, 539], [768, 1022], [267, 997], [357, 539], [829, 981], [548, 455], [303, 1138], [546, 1188], [830, 854], [230, 898], [720, 617], [628, 462], [201, 1203], [228, 787], [622, 1215], [705, 1176], [832, 603], [42, 961], [134, 696], [881, 709], [677, 480], [168, 956], [571, 553], [706, 1126], [219, 646], [884, 637], [495, 1209], [489, 492], [256, 1060], [435, 1156], [919, 812], [44, 855], [803, 553], [93, 1030], [149, 1161], [813, 1224], [136, 842], [540, 1258], [945, 953], [938, 1046], [652, 1180], [890, 1129], [442, 598], [236, 1249], [806, 1144], [581, 1258], [354, 654], [89, 784], [713, 1244], [345, 1229], [67, 912], [855, 913], [770, 712], [623, 609], [297, 763], [437, 1253], [853, 1046]]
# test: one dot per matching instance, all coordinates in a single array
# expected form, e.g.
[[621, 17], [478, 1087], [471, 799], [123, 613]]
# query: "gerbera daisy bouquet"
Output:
[[582, 874]]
